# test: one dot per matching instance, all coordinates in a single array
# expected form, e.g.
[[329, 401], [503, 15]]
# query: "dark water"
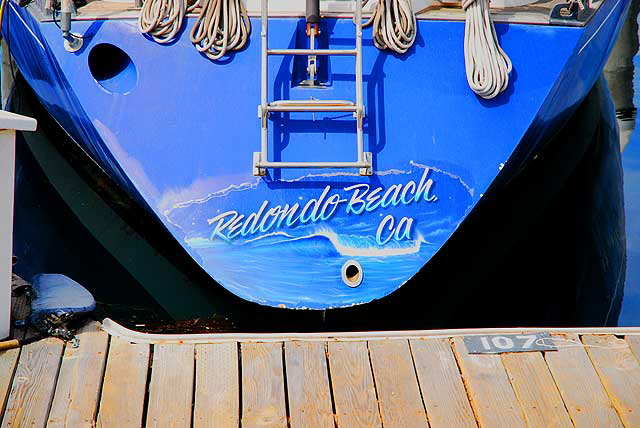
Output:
[[623, 75]]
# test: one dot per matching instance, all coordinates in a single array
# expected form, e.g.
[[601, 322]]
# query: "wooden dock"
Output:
[[399, 379]]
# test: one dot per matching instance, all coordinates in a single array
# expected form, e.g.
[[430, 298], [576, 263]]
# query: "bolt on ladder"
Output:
[[261, 159]]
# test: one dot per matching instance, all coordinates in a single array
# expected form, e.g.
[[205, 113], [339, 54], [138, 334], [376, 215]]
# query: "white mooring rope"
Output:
[[162, 19], [486, 64], [394, 25], [222, 26]]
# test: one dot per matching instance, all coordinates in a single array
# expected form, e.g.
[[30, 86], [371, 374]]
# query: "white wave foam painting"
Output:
[[345, 245]]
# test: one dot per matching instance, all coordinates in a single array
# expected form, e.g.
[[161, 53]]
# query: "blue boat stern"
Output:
[[179, 133]]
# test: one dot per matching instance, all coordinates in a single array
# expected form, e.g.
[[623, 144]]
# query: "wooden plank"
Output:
[[619, 372], [124, 386], [8, 363], [536, 391], [33, 384], [493, 400], [263, 396], [217, 394], [308, 385], [441, 384], [354, 393], [395, 380], [78, 388], [634, 343], [584, 396], [20, 309], [171, 387]]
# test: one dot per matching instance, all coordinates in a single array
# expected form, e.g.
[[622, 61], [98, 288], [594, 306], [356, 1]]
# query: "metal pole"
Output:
[[263, 83], [66, 9], [71, 42], [312, 12], [359, 101], [311, 67]]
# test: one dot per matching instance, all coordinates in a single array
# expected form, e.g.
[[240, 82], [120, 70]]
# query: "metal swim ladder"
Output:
[[261, 159]]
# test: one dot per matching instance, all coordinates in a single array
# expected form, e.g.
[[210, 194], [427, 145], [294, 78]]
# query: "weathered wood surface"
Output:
[[9, 359], [352, 382], [491, 394], [217, 391], [8, 362], [582, 392], [396, 384], [591, 381], [33, 384], [123, 389], [619, 371], [78, 387], [308, 385], [634, 344], [442, 389], [171, 387], [263, 391], [536, 390]]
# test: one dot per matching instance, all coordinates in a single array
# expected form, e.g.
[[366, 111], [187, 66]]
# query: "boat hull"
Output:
[[518, 260], [178, 134]]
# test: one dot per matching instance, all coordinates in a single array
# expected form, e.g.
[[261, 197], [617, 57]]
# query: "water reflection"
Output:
[[623, 74]]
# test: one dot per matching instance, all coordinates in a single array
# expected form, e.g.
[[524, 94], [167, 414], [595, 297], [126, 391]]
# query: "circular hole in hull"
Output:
[[112, 68], [352, 273]]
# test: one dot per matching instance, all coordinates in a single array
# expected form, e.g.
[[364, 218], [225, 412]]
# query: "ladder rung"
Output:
[[312, 102], [312, 105], [311, 108], [312, 52], [313, 165]]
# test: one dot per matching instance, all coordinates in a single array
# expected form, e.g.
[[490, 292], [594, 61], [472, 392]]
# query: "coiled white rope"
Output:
[[394, 25], [222, 26], [162, 19], [486, 64]]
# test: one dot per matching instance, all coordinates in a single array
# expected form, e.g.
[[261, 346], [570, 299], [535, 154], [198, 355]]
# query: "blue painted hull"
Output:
[[511, 253], [180, 137]]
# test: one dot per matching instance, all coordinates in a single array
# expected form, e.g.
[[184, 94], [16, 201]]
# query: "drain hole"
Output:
[[352, 273]]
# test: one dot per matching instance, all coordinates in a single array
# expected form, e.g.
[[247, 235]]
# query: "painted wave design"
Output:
[[343, 245], [299, 263], [287, 260]]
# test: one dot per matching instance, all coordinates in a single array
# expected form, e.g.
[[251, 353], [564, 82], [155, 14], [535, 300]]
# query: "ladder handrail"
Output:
[[261, 159], [359, 101], [264, 79]]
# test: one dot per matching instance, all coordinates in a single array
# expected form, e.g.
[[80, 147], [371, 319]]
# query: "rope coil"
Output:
[[394, 25], [486, 64], [162, 19], [221, 26]]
